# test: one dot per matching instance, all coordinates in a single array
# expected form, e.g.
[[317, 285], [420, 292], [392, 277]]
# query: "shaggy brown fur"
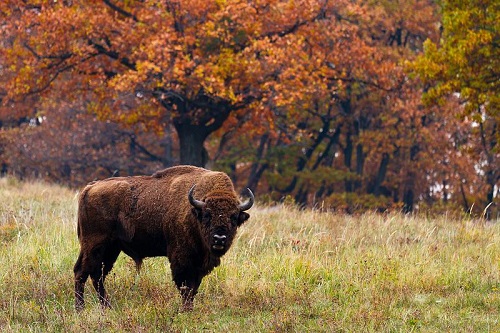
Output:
[[148, 216]]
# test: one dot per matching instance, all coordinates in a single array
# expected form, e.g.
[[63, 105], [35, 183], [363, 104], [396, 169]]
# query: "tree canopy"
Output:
[[465, 64], [314, 100]]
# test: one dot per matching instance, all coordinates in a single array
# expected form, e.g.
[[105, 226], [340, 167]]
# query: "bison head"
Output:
[[220, 215]]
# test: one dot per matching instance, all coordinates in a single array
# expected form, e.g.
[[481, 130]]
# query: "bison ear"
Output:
[[242, 218], [197, 213]]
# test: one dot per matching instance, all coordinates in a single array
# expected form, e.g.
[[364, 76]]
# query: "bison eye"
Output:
[[234, 220], [207, 216]]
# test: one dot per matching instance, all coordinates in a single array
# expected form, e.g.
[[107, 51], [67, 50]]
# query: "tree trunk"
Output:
[[302, 162], [465, 202], [489, 142], [194, 121], [133, 151], [258, 168], [3, 170], [348, 150], [409, 190], [408, 199], [191, 139], [360, 164], [382, 170], [254, 178], [301, 196], [166, 143]]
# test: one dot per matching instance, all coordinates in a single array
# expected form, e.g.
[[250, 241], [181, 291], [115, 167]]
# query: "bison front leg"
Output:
[[187, 281]]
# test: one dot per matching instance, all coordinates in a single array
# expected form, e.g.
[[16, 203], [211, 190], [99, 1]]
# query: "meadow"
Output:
[[289, 270]]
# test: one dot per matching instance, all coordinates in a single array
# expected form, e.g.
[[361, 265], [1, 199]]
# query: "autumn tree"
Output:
[[348, 121], [465, 64], [311, 100], [75, 147], [190, 63]]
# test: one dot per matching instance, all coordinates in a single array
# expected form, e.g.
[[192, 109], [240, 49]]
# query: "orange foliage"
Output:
[[312, 97]]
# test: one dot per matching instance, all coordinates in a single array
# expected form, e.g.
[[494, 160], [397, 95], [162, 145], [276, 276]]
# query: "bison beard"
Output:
[[185, 213]]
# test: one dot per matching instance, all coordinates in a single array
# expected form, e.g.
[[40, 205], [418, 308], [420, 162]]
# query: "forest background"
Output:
[[343, 105]]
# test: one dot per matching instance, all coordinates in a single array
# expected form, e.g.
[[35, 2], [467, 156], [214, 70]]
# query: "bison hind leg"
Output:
[[98, 283], [110, 253], [80, 279], [98, 264]]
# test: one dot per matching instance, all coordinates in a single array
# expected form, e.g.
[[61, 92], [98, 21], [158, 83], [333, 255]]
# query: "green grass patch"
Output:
[[288, 271]]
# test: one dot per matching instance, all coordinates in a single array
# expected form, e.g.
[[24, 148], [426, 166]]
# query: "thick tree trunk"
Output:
[[194, 120], [191, 139], [166, 143]]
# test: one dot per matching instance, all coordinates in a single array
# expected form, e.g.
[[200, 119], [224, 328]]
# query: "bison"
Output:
[[185, 213]]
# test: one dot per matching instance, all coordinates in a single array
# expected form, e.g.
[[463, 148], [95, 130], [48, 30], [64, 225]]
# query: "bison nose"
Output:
[[218, 239]]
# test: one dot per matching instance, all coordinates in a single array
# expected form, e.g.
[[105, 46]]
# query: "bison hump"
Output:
[[177, 171]]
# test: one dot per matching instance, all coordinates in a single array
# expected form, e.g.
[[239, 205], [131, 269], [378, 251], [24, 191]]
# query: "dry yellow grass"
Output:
[[289, 270]]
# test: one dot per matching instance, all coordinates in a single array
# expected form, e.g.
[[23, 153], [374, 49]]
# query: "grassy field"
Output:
[[288, 271]]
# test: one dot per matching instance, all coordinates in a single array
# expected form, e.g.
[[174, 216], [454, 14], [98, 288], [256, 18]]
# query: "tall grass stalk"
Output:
[[288, 271]]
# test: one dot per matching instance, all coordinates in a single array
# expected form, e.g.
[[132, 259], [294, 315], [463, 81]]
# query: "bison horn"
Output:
[[196, 203], [249, 203]]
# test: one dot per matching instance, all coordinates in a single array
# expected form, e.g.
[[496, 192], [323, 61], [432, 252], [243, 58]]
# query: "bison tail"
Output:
[[138, 264], [78, 230], [82, 210]]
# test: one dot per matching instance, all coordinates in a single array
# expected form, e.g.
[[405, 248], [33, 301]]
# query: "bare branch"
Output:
[[144, 150], [113, 55], [61, 57], [120, 10]]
